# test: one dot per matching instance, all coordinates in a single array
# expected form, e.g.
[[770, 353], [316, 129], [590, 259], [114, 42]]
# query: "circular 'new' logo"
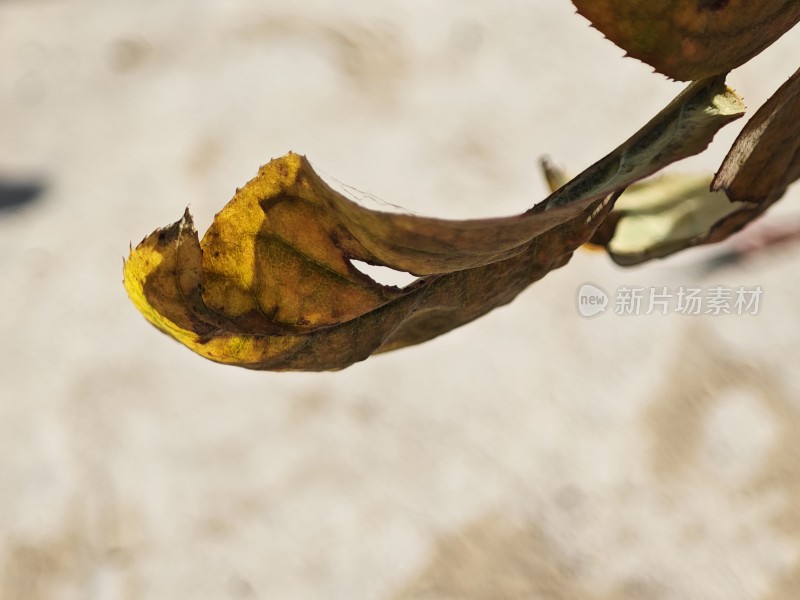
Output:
[[592, 300]]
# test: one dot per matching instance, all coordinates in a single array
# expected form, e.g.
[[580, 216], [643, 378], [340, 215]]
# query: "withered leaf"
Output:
[[764, 160], [655, 218], [660, 216], [272, 285], [692, 39]]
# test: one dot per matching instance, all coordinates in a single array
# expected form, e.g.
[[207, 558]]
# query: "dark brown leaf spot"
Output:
[[711, 5]]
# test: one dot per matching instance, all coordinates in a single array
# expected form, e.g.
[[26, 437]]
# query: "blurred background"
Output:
[[532, 454]]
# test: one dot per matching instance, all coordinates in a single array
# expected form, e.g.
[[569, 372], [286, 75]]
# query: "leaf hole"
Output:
[[384, 275]]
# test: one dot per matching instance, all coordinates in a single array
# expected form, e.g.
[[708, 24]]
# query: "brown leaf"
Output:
[[692, 39], [765, 159], [272, 285]]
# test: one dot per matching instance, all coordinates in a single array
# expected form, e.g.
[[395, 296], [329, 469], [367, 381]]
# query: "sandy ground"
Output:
[[533, 454]]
